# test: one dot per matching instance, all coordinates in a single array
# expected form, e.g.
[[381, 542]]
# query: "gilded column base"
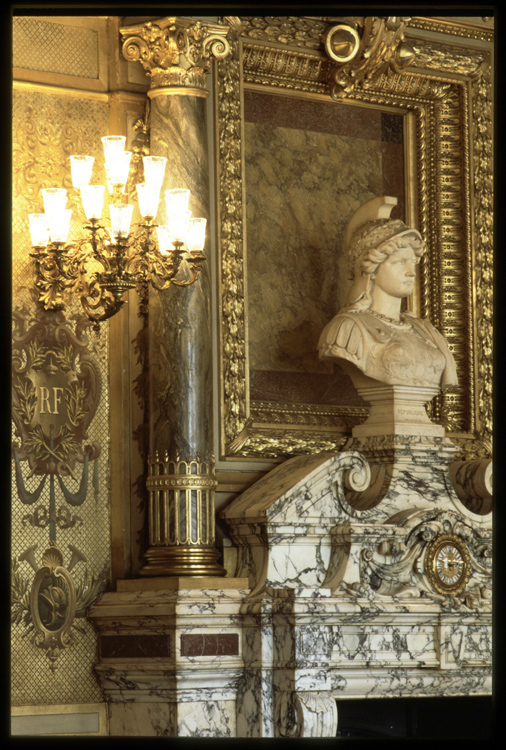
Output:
[[182, 561]]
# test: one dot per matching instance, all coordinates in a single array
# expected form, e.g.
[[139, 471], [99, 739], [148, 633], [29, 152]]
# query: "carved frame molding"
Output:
[[446, 96]]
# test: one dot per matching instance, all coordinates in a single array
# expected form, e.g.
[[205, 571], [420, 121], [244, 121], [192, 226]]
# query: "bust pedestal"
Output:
[[397, 410]]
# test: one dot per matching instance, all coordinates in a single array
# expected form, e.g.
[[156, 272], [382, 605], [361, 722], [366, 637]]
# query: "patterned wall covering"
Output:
[[38, 45], [60, 467]]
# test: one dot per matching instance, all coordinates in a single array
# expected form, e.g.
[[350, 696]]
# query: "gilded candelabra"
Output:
[[107, 261]]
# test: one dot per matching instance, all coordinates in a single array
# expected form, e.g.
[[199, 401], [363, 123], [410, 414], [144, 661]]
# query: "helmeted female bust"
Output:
[[370, 332]]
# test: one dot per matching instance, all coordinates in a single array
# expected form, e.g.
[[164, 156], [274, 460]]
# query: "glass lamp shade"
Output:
[[39, 229], [114, 146], [149, 197], [154, 170], [55, 200], [121, 216], [196, 234], [81, 167], [177, 201], [59, 225], [178, 225], [118, 168], [92, 197], [164, 242]]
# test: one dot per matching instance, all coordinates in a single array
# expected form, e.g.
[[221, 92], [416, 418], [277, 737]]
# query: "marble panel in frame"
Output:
[[271, 402]]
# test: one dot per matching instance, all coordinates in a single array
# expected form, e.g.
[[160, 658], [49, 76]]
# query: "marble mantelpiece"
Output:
[[335, 547]]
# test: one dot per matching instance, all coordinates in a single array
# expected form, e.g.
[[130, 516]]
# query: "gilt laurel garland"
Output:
[[447, 90]]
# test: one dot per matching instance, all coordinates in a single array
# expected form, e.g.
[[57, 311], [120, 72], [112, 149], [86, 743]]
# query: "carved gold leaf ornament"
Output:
[[361, 59], [175, 52], [231, 242], [49, 606]]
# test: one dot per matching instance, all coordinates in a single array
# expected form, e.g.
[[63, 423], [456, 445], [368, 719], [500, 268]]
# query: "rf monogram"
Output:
[[48, 399]]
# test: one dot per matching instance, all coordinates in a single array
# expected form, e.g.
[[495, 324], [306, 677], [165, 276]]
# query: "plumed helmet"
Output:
[[371, 227]]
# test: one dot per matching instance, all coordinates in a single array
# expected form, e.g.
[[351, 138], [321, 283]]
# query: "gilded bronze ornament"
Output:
[[181, 518], [49, 606], [448, 564], [361, 59]]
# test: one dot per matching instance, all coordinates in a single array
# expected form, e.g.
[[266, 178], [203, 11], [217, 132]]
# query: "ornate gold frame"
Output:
[[445, 92]]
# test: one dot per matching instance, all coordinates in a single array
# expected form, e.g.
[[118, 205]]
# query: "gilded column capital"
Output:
[[176, 53]]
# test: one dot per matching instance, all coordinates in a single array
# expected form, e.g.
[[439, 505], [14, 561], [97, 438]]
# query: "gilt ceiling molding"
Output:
[[454, 28]]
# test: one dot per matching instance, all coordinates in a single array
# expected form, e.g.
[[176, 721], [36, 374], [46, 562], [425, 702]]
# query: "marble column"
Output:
[[177, 53]]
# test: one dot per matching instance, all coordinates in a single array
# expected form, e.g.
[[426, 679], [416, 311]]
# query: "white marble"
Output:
[[370, 337], [192, 690], [341, 604], [141, 719]]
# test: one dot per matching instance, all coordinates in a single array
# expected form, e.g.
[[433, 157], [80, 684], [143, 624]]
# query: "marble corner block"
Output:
[[170, 656]]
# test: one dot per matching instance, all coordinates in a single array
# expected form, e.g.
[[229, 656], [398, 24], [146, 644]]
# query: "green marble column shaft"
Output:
[[179, 318]]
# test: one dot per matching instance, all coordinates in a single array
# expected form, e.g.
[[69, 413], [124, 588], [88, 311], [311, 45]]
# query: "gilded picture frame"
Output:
[[444, 92]]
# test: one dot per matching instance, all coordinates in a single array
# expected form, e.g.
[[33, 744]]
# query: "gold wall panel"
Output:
[[444, 98], [62, 50], [47, 128], [51, 47]]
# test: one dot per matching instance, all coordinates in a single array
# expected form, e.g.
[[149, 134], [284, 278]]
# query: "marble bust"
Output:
[[370, 336]]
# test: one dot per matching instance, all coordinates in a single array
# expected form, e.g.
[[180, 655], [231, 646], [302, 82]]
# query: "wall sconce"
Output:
[[104, 264]]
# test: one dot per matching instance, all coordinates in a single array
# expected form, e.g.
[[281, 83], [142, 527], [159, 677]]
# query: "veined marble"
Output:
[[181, 677], [342, 604]]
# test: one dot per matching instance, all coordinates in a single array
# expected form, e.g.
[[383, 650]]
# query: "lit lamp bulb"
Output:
[[80, 167], [55, 200], [117, 160], [149, 197], [58, 216], [118, 169], [59, 226], [154, 170], [196, 235], [39, 229], [178, 215], [114, 146], [92, 197], [164, 242], [121, 216]]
